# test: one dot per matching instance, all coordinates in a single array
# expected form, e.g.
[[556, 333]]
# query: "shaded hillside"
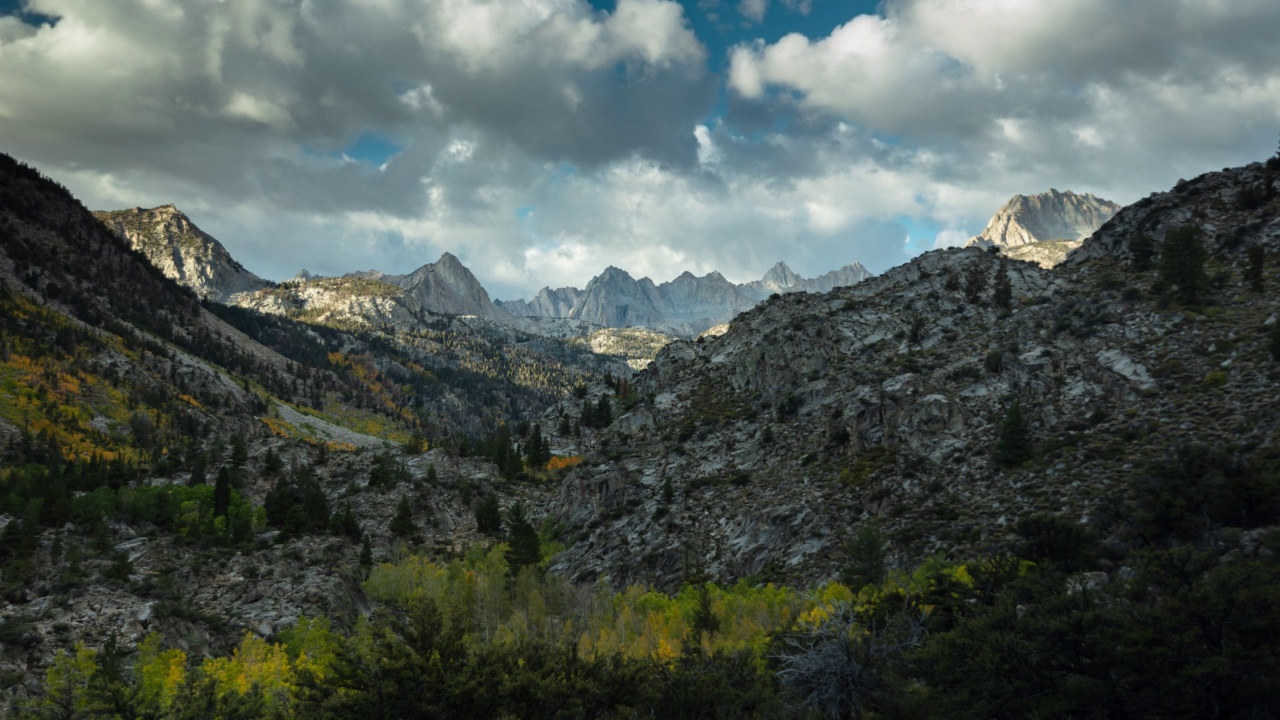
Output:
[[942, 401]]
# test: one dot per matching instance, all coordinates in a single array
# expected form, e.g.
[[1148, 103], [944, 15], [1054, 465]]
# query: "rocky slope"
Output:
[[182, 251], [1044, 228], [685, 306], [882, 403], [125, 403]]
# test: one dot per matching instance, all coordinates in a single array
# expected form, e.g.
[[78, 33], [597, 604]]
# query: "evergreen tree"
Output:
[[272, 463], [525, 547], [1253, 274], [345, 524], [239, 451], [198, 470], [432, 477], [1141, 250], [866, 558], [222, 493], [1182, 261], [668, 492], [402, 524], [537, 454], [604, 412], [489, 516], [1013, 447], [1003, 296]]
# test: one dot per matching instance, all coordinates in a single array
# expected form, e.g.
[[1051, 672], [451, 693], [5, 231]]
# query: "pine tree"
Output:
[[198, 470], [489, 516], [1182, 261], [222, 493], [432, 477], [1013, 447], [536, 452], [272, 463], [668, 492], [1141, 250], [1003, 296], [525, 548], [239, 451], [402, 524], [366, 554], [1253, 274], [604, 412]]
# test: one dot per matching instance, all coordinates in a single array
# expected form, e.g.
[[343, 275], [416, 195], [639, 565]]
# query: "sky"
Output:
[[543, 140]]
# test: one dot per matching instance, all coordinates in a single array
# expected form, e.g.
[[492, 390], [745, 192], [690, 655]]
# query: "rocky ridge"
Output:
[[685, 306], [1045, 227], [183, 252], [881, 403]]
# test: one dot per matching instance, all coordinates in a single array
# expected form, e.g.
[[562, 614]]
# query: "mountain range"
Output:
[[205, 472], [685, 306]]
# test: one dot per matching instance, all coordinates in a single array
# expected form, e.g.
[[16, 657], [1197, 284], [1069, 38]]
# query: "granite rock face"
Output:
[[1045, 227], [813, 415], [182, 251]]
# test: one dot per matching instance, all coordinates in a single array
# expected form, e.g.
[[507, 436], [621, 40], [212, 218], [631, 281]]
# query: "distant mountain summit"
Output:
[[685, 306], [445, 287], [1043, 228], [182, 251], [782, 280]]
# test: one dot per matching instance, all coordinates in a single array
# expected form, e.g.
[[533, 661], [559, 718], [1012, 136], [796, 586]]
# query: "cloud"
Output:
[[753, 10], [542, 140], [1084, 89], [950, 237]]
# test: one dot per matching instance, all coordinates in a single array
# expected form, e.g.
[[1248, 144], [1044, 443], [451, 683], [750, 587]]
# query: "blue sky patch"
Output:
[[372, 149]]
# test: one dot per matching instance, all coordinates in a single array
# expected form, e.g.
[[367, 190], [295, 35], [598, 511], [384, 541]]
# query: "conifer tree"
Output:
[[222, 493], [525, 547], [1253, 274], [1003, 296], [402, 524], [1013, 447], [239, 451], [1182, 260], [1141, 250], [489, 516], [604, 412], [198, 470]]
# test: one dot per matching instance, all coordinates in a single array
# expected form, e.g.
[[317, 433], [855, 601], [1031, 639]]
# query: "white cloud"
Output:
[[950, 237], [606, 125], [753, 10]]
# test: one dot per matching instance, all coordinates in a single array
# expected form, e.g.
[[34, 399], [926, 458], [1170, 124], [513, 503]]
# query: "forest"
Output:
[[1185, 623]]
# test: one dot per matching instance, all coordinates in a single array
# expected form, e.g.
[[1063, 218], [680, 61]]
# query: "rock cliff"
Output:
[[1044, 228], [182, 251]]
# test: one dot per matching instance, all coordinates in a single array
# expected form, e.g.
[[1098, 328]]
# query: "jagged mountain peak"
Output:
[[1044, 227], [448, 259]]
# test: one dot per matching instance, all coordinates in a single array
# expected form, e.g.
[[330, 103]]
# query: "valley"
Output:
[[316, 497]]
